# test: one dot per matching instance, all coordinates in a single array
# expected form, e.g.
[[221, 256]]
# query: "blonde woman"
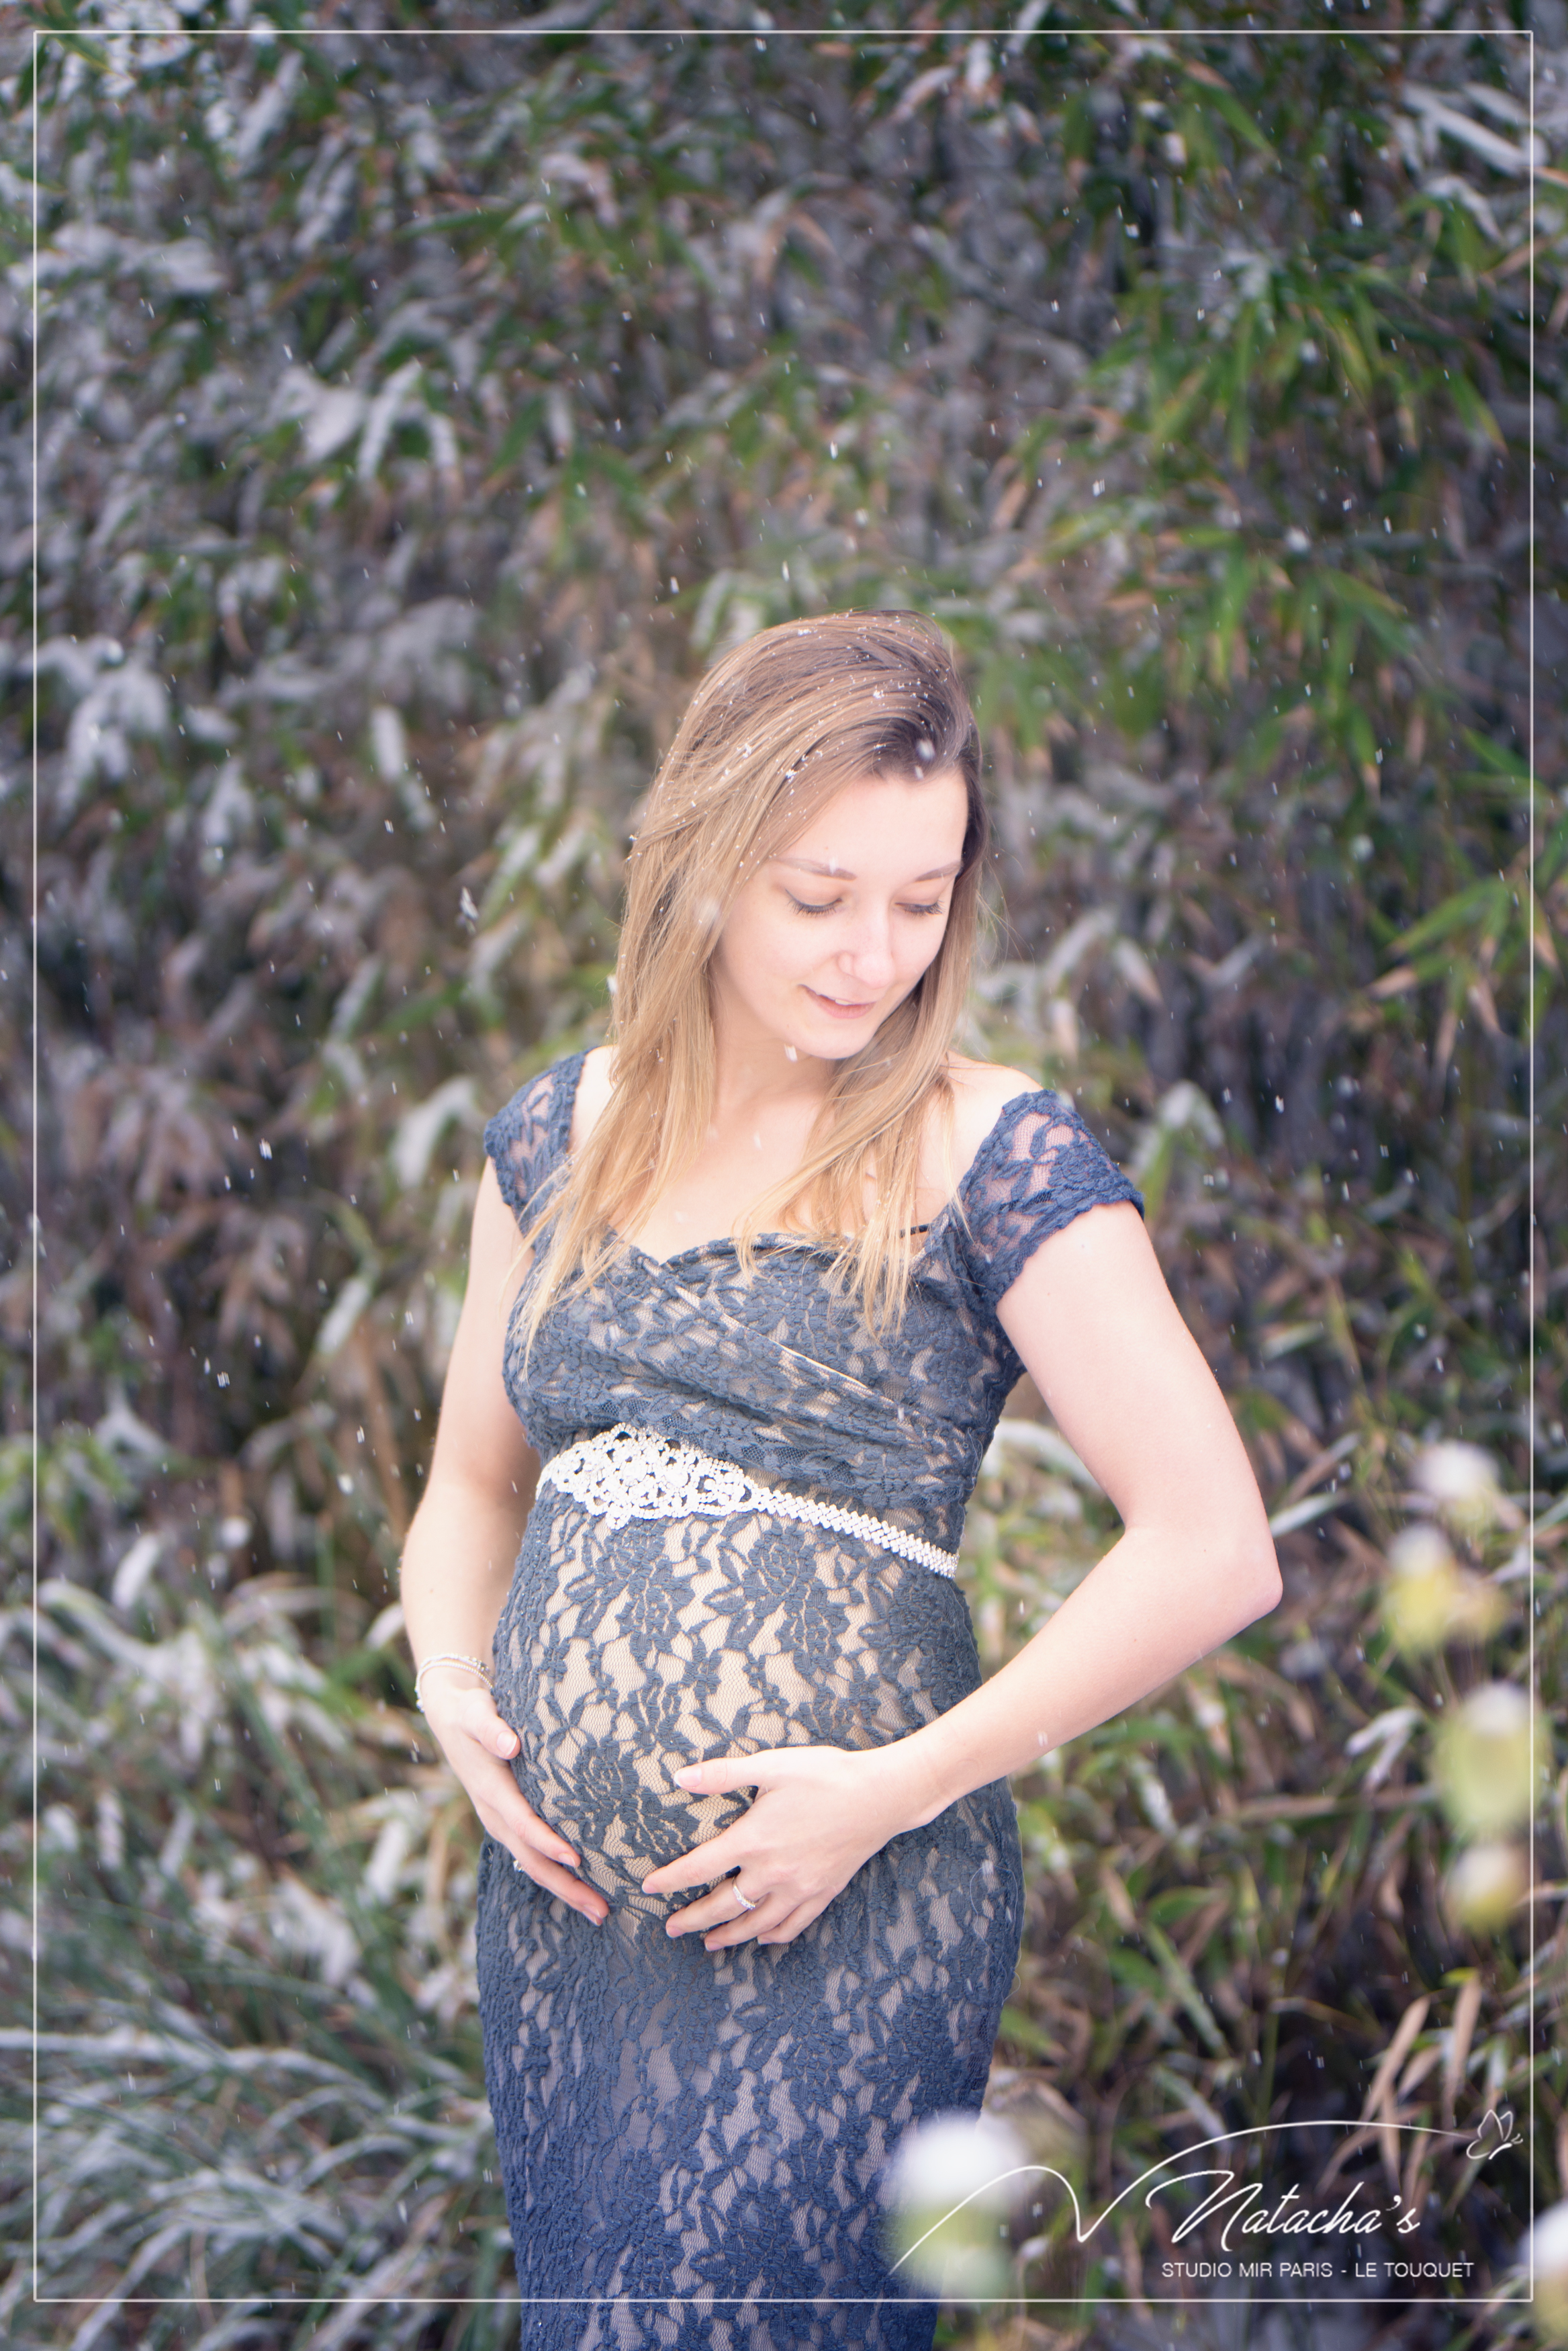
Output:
[[748, 1288]]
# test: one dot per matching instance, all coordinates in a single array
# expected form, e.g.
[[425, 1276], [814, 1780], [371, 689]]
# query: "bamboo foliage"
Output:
[[418, 412]]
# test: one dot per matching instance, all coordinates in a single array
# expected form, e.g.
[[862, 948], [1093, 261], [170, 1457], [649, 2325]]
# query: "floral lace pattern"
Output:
[[692, 2142]]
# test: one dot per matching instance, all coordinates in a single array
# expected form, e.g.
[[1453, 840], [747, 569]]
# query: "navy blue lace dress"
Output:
[[693, 2142]]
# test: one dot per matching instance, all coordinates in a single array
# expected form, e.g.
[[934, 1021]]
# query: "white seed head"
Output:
[[1483, 1757], [1548, 2243], [1453, 1473], [1546, 2250], [1430, 1599], [1421, 1551], [1484, 1884], [949, 2180], [951, 2160]]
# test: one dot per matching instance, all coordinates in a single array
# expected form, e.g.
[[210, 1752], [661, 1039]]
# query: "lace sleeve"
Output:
[[1037, 1169], [527, 1139]]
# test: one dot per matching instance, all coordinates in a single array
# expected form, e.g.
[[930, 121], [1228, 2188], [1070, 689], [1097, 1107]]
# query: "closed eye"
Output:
[[805, 906]]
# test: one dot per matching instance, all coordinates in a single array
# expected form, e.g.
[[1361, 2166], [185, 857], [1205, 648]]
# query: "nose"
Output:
[[867, 959]]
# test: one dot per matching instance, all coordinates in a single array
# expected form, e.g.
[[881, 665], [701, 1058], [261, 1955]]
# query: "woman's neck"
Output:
[[755, 1072]]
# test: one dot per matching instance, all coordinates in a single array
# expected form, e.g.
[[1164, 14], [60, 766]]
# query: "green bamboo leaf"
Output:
[[1183, 1985], [1192, 393], [1225, 620], [1495, 757], [1130, 1967], [1018, 2025], [1241, 371], [1473, 412], [1363, 743], [1225, 103], [1483, 910], [528, 422]]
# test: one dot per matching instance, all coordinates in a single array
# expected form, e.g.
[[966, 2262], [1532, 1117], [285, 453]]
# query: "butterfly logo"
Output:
[[1493, 2133]]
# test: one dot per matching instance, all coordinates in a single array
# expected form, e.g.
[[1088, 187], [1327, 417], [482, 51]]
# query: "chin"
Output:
[[838, 1044]]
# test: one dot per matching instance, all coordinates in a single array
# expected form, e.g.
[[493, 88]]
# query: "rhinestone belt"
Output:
[[631, 1473]]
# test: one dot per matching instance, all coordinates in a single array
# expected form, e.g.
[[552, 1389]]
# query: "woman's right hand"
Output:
[[479, 1746]]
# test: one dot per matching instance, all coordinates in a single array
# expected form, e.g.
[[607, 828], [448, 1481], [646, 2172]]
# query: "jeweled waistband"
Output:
[[626, 1473]]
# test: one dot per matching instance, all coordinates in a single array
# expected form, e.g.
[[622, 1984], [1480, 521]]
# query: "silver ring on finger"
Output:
[[742, 1901]]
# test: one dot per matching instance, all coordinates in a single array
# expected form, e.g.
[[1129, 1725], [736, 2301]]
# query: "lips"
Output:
[[839, 1011]]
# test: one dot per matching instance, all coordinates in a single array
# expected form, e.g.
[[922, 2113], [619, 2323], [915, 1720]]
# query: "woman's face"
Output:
[[828, 937]]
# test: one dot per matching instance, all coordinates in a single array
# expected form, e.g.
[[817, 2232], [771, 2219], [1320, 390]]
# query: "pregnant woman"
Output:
[[748, 1288]]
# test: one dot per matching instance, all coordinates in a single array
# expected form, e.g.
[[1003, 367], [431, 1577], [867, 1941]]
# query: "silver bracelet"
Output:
[[449, 1658]]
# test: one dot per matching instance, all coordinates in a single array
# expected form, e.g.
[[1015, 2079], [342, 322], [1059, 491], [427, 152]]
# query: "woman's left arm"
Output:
[[1099, 1332]]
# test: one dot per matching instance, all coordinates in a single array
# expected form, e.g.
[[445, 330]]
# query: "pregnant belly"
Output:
[[621, 1655]]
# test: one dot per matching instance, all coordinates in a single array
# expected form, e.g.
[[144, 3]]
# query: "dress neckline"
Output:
[[725, 1244]]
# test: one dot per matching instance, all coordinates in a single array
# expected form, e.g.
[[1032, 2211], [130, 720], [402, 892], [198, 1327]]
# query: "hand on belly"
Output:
[[819, 1813]]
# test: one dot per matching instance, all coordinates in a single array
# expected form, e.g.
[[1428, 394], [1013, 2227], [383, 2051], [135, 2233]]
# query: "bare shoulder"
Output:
[[593, 1093], [982, 1092]]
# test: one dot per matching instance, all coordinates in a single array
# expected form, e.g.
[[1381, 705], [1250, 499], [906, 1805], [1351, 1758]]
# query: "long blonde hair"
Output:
[[775, 729]]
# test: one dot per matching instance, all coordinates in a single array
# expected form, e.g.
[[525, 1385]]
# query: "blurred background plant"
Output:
[[417, 415]]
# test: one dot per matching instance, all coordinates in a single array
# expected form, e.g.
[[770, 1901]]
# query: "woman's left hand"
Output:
[[818, 1813]]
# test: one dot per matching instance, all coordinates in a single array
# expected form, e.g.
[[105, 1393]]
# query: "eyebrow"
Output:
[[838, 874]]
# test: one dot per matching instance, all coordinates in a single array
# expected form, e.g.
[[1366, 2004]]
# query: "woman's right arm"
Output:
[[460, 1549]]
